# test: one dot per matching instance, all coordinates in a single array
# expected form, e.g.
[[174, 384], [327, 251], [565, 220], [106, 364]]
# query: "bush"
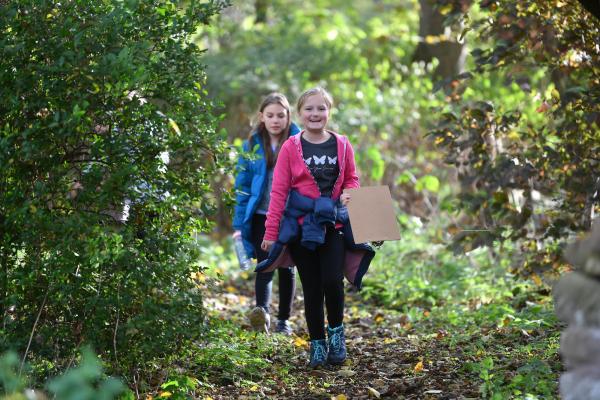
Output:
[[85, 382], [106, 145]]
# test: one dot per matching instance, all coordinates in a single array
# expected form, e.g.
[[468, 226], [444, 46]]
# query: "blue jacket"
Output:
[[250, 184], [317, 213]]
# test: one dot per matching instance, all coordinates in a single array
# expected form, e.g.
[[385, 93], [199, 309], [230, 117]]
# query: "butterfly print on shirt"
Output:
[[319, 160]]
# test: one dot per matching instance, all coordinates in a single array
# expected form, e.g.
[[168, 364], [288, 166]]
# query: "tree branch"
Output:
[[33, 330]]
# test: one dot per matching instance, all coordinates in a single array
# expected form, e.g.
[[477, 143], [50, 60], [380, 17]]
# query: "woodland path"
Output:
[[387, 357]]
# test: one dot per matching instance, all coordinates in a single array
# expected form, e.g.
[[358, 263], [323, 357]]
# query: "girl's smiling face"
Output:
[[275, 118], [314, 113]]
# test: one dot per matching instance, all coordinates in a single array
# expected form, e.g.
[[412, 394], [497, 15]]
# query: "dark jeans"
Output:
[[322, 276], [264, 280]]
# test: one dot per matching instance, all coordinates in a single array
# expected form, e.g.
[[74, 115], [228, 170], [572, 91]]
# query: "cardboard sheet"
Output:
[[372, 214]]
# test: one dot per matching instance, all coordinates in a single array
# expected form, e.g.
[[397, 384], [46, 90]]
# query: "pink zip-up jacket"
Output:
[[292, 173]]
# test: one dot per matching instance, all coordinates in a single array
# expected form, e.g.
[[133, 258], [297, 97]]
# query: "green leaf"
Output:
[[378, 165], [428, 182]]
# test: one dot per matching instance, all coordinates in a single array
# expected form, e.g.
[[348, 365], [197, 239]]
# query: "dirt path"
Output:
[[387, 357]]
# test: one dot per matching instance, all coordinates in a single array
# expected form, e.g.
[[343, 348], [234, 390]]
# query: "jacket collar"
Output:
[[341, 145]]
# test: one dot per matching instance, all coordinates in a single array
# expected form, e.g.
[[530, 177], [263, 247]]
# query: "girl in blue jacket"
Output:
[[253, 188]]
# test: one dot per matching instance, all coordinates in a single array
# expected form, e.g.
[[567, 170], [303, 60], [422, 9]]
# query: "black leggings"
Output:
[[264, 280], [322, 276]]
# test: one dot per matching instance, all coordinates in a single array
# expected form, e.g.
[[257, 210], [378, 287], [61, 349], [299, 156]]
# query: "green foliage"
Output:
[[226, 354], [10, 380], [361, 51], [107, 145], [503, 330], [546, 132], [451, 313], [179, 388], [243, 358], [84, 382], [304, 44]]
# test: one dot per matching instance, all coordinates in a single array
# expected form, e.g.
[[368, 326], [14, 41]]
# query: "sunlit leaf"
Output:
[[536, 279], [418, 367], [428, 182], [299, 342], [174, 126], [231, 289], [373, 393], [346, 373]]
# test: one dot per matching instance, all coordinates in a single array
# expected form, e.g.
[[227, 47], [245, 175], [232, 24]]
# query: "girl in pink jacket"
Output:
[[317, 162]]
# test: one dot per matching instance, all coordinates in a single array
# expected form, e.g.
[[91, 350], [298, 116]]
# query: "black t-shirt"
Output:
[[322, 161]]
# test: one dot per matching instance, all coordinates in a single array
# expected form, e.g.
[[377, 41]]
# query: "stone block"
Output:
[[580, 347], [577, 299], [581, 384], [584, 254]]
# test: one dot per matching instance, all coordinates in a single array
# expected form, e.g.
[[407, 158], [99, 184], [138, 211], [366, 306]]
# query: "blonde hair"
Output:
[[311, 92]]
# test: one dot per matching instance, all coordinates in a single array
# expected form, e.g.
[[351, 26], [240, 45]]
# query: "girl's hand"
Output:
[[345, 198], [267, 244], [236, 234]]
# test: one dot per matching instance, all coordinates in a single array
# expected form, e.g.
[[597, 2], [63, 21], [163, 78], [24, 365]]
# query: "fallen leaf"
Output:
[[373, 393], [174, 126], [346, 373], [419, 366], [199, 276], [319, 373], [379, 383], [536, 279], [299, 342], [231, 289], [339, 397], [543, 107]]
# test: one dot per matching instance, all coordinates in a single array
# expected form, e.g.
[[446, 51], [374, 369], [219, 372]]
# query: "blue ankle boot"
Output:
[[318, 353], [337, 345]]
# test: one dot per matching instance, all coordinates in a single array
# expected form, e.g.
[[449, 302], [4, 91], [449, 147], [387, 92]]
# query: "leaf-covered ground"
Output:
[[392, 354]]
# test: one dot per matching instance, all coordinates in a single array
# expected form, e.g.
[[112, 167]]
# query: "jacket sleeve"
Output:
[[350, 176], [282, 182], [243, 180], [294, 129]]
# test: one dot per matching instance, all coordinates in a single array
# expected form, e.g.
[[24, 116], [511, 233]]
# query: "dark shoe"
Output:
[[318, 353], [283, 326], [337, 345], [259, 319]]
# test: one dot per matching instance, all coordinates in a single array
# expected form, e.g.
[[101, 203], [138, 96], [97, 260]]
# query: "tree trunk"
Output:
[[593, 6], [261, 11], [451, 54], [3, 284]]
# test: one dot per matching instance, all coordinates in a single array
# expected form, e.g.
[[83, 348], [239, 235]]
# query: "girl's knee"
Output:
[[333, 285]]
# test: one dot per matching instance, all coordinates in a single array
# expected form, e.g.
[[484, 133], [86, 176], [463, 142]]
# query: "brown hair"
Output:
[[311, 92], [261, 130]]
